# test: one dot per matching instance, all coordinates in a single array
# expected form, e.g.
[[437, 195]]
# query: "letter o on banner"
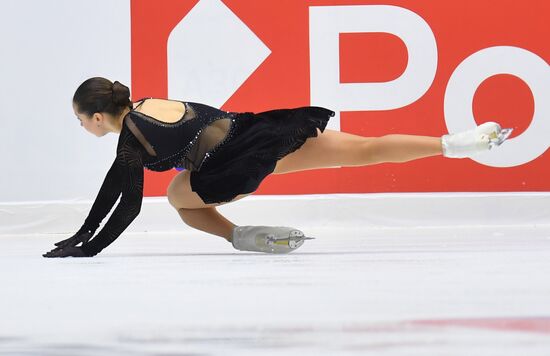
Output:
[[467, 77]]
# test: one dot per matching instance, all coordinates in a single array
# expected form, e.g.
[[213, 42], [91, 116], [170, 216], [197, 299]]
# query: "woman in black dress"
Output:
[[226, 155]]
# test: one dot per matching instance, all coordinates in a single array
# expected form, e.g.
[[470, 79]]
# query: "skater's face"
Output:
[[94, 124]]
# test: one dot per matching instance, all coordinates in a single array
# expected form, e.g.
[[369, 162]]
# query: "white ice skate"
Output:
[[269, 239], [467, 143]]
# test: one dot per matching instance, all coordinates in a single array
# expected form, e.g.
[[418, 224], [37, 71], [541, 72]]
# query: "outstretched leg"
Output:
[[334, 149]]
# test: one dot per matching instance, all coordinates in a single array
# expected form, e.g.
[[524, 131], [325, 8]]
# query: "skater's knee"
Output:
[[382, 149], [372, 150], [178, 189], [181, 195]]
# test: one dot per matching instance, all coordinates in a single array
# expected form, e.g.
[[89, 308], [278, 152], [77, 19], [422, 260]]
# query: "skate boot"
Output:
[[467, 143], [269, 239]]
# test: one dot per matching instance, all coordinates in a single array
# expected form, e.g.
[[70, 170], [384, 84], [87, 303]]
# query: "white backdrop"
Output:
[[48, 49]]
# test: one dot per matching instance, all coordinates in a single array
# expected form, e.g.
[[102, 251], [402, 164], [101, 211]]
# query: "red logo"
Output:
[[423, 68]]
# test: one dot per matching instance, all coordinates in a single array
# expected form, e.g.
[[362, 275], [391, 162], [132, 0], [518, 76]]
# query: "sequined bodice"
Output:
[[186, 143]]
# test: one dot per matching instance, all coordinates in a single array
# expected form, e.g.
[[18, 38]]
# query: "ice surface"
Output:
[[467, 291]]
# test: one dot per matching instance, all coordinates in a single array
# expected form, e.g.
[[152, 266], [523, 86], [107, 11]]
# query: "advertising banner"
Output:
[[385, 67]]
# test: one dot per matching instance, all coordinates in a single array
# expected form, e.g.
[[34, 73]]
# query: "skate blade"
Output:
[[291, 242], [293, 238], [497, 140], [300, 238]]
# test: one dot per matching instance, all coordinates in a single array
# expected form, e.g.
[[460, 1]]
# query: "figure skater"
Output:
[[226, 155]]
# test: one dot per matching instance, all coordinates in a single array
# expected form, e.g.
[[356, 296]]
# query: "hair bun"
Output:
[[121, 94]]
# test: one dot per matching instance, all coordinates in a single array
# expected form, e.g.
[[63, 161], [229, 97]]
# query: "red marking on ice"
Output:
[[533, 325]]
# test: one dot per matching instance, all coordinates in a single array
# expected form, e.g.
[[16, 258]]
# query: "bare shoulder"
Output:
[[165, 110]]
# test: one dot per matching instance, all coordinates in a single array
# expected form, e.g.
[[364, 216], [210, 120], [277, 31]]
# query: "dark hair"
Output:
[[101, 95]]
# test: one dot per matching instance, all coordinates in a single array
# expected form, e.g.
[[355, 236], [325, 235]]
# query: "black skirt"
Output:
[[256, 143]]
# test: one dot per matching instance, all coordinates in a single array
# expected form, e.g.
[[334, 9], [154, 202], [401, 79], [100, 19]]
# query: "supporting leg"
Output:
[[246, 238], [194, 212], [208, 220]]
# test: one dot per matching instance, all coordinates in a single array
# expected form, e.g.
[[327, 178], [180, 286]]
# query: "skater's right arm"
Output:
[[106, 198], [108, 194], [125, 177]]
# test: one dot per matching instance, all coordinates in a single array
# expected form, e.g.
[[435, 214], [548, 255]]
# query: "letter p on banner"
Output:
[[326, 23]]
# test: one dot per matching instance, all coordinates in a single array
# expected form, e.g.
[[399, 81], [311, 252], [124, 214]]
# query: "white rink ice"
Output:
[[468, 291]]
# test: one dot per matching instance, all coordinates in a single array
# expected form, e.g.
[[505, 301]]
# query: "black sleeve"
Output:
[[108, 194], [128, 169]]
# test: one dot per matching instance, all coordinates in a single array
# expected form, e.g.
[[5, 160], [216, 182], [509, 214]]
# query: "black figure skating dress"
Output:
[[227, 154]]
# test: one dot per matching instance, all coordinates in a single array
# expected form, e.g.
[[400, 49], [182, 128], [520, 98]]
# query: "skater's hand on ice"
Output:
[[65, 252], [74, 240]]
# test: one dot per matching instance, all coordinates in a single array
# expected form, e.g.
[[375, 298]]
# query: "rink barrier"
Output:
[[303, 211]]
